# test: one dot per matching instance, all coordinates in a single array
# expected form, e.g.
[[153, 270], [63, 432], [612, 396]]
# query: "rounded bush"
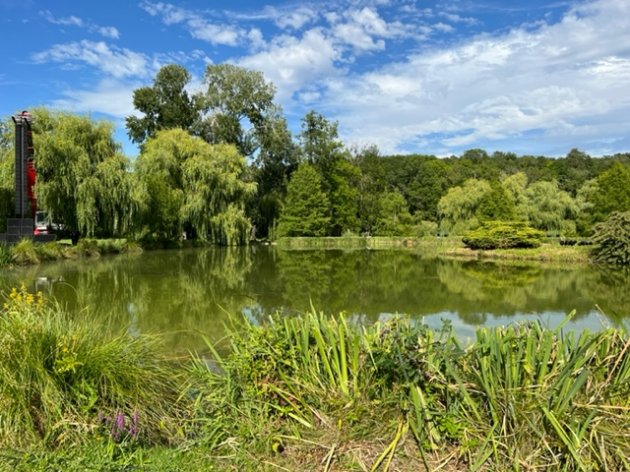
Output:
[[503, 235]]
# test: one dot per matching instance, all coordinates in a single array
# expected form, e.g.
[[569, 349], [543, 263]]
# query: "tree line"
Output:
[[222, 166]]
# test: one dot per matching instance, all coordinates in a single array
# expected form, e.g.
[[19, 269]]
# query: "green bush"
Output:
[[503, 235], [611, 240]]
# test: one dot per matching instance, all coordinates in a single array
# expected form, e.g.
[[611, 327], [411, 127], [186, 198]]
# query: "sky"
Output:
[[536, 77]]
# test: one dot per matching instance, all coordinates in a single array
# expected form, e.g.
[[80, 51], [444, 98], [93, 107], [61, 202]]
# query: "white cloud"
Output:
[[112, 60], [291, 62], [489, 89], [107, 31], [295, 19], [110, 97], [197, 25]]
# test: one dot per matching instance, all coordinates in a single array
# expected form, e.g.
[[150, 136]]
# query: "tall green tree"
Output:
[[459, 206], [238, 104], [496, 205], [370, 187], [551, 209], [83, 180], [239, 109], [190, 185], [612, 192], [165, 105], [394, 218], [7, 173], [306, 207], [322, 148], [275, 160]]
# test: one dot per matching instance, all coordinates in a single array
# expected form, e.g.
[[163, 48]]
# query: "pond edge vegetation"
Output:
[[311, 392]]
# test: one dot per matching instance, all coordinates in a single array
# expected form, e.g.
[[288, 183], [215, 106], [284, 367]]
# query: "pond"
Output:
[[188, 294]]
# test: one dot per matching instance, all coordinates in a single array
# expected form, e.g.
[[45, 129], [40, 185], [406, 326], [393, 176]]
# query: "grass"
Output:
[[27, 252], [547, 252], [321, 389], [450, 247], [311, 393], [62, 382]]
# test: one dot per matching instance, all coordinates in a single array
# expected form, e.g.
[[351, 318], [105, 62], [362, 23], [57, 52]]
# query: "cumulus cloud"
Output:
[[291, 62], [488, 89]]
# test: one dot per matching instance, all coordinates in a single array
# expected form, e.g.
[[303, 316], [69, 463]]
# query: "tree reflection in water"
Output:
[[183, 294]]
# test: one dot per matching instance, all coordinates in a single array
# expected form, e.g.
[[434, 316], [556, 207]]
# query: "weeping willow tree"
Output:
[[82, 178], [7, 173], [192, 186]]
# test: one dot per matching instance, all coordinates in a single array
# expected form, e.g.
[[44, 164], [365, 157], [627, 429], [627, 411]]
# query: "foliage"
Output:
[[611, 193], [306, 207], [235, 97], [25, 252], [497, 204], [322, 148], [393, 216], [191, 185], [83, 181], [6, 255], [165, 105], [611, 239], [491, 404], [503, 235], [62, 381], [551, 209], [370, 186], [458, 207]]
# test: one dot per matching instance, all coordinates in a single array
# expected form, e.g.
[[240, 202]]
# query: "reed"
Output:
[[523, 396]]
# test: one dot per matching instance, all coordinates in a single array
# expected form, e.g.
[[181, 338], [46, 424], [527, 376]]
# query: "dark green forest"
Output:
[[222, 166]]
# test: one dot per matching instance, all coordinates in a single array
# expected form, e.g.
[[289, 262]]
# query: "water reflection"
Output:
[[183, 294]]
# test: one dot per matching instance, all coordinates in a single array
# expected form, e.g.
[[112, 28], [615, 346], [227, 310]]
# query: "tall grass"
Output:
[[62, 382], [521, 397], [6, 256]]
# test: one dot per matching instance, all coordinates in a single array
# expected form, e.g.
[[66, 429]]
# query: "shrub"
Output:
[[503, 235], [611, 240]]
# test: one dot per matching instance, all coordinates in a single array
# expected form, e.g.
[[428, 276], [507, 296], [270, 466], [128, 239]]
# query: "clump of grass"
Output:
[[25, 252], [50, 251], [62, 382], [6, 256]]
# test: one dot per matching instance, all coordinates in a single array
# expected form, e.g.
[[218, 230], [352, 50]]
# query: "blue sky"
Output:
[[411, 76]]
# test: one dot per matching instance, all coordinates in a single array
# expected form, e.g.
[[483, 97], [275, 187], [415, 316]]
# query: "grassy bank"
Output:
[[310, 393], [346, 242], [442, 247], [28, 252]]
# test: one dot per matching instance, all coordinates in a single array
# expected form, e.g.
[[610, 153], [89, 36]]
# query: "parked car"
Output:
[[43, 224]]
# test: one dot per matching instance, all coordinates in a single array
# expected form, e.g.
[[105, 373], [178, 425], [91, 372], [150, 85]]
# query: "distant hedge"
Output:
[[503, 235]]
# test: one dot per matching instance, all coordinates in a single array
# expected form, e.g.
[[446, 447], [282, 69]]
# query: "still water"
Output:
[[188, 294]]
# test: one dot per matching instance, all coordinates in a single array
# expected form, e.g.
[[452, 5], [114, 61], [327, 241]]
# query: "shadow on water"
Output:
[[184, 294]]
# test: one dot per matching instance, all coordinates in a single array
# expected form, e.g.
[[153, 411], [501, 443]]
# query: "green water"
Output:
[[185, 295]]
